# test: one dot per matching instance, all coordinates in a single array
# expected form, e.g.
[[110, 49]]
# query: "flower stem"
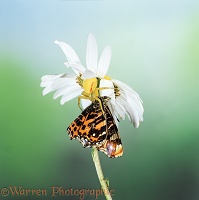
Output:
[[98, 167]]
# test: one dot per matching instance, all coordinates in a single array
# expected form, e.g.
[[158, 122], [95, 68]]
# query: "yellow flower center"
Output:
[[89, 85]]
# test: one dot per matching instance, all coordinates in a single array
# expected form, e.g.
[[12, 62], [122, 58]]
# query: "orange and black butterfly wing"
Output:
[[112, 145], [94, 127], [89, 127]]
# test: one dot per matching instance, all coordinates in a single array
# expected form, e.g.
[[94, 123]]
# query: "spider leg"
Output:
[[82, 97], [104, 88]]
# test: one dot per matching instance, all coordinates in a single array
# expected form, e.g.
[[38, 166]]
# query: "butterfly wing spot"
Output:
[[83, 127], [84, 142]]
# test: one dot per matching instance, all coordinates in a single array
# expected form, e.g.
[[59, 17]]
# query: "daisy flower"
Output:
[[87, 83]]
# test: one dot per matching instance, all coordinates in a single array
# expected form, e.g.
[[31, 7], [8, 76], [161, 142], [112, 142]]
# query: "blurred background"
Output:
[[155, 50]]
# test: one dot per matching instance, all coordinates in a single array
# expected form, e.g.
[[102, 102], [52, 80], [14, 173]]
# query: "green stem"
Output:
[[98, 167]]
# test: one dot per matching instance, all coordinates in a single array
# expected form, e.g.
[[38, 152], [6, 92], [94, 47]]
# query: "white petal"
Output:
[[72, 93], [77, 68], [125, 107], [113, 112], [92, 53], [88, 74], [56, 86], [137, 105], [66, 90], [132, 99], [85, 103], [50, 77], [130, 109], [55, 82], [134, 102], [134, 118], [104, 62], [125, 87], [107, 88], [58, 83], [119, 108], [69, 52]]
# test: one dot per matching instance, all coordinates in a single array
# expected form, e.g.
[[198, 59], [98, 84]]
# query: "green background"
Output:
[[155, 50]]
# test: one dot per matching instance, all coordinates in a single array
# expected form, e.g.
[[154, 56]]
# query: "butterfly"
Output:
[[95, 126]]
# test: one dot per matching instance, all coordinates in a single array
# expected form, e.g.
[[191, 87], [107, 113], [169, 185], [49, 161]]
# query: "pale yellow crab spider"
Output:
[[91, 90]]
